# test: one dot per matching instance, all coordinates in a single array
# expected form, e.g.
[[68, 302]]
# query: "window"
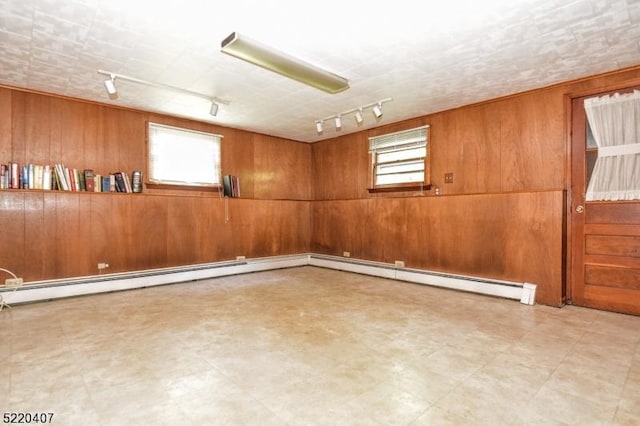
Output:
[[613, 120], [183, 157], [400, 160]]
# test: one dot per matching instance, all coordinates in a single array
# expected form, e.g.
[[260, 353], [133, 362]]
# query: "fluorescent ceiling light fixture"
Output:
[[282, 63], [110, 84]]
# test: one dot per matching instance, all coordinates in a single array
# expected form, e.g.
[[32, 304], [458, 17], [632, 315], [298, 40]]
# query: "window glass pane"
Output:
[[591, 142], [413, 166], [400, 178], [181, 156], [402, 155]]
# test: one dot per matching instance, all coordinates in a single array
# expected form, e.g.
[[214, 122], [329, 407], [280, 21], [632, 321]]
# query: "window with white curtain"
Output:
[[614, 121], [400, 159], [186, 157]]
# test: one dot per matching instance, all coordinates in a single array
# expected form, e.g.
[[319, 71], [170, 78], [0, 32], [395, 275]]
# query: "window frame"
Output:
[[403, 186], [184, 184]]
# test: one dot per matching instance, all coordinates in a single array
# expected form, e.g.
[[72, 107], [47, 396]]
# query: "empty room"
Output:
[[247, 213]]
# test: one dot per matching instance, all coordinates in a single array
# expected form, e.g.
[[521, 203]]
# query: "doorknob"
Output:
[[580, 209]]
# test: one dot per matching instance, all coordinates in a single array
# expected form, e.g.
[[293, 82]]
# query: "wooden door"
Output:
[[605, 235]]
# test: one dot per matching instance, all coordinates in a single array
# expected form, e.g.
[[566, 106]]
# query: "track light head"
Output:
[[110, 86], [214, 109], [377, 110], [358, 117]]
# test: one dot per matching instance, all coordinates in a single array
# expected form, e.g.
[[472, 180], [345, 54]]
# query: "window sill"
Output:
[[185, 187], [403, 188]]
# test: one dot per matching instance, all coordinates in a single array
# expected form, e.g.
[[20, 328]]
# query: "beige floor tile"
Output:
[[627, 418], [314, 346], [436, 416], [565, 408]]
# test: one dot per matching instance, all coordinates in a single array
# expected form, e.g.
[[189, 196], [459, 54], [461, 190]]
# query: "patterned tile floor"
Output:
[[310, 346]]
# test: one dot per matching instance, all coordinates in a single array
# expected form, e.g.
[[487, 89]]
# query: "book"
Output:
[[25, 174], [61, 177], [120, 184], [226, 186], [235, 186], [67, 177], [136, 181], [106, 183], [3, 176], [80, 181], [15, 175], [89, 184], [127, 182], [231, 186], [46, 177]]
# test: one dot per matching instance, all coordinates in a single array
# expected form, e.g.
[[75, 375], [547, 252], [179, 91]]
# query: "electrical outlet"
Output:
[[399, 264], [448, 177], [102, 266], [13, 282], [346, 254], [240, 257]]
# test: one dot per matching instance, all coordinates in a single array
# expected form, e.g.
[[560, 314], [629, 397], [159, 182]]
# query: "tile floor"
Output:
[[311, 346]]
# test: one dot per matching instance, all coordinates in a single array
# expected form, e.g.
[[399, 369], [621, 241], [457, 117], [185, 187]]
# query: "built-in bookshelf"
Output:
[[58, 177]]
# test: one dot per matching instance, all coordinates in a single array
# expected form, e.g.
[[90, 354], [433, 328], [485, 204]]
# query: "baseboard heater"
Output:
[[55, 289], [524, 292]]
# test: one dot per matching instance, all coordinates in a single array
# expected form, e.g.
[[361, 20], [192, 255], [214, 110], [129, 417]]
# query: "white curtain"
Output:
[[615, 124]]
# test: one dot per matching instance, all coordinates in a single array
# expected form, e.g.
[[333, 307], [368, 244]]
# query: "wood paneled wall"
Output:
[[51, 234], [503, 217]]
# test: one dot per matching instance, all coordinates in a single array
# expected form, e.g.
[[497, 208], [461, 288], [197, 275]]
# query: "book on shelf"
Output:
[[3, 176], [14, 175], [119, 181], [46, 177], [231, 186], [136, 181], [106, 183], [127, 181], [82, 183]]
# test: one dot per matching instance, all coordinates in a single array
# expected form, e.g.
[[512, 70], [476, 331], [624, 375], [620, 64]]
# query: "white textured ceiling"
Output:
[[427, 56]]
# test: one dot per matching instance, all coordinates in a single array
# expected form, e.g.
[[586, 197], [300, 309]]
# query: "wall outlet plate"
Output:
[[399, 264], [240, 257], [448, 177], [346, 254], [13, 282]]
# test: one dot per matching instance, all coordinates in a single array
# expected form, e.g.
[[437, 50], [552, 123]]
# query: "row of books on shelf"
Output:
[[61, 178], [231, 186]]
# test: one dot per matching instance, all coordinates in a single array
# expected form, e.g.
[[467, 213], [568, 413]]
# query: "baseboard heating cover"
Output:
[[524, 292], [55, 289]]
